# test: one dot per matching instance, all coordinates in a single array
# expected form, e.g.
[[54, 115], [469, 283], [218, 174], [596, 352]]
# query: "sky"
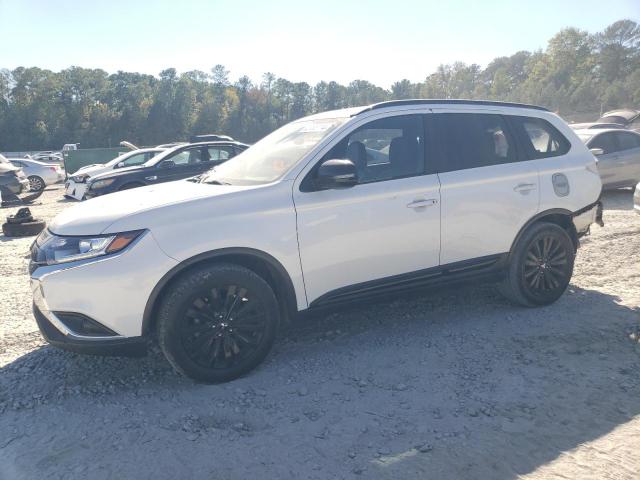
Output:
[[378, 41]]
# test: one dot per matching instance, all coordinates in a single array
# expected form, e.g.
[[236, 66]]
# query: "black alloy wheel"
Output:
[[217, 322], [540, 266], [546, 266], [223, 326]]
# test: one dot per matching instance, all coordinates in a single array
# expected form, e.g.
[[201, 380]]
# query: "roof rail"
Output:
[[398, 103]]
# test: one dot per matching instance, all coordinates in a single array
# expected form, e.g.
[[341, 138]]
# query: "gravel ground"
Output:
[[451, 384]]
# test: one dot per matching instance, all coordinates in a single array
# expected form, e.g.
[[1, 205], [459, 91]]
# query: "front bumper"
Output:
[[111, 291], [75, 190], [120, 346]]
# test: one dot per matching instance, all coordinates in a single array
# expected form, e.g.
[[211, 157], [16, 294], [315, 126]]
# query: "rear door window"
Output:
[[219, 154], [605, 141], [472, 140], [627, 140], [539, 138]]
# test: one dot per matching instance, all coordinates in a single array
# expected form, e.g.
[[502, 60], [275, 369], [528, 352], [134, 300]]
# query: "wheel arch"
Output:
[[558, 216], [261, 263]]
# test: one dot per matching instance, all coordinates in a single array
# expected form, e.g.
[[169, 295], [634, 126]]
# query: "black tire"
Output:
[[206, 334], [26, 229], [540, 266], [36, 183], [129, 186]]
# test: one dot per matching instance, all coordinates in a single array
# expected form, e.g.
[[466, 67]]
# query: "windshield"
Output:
[[141, 154], [275, 154]]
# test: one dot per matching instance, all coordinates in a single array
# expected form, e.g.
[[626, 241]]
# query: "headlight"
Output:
[[53, 249], [102, 183], [80, 178]]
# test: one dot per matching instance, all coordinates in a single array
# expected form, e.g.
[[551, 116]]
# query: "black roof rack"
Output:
[[398, 103]]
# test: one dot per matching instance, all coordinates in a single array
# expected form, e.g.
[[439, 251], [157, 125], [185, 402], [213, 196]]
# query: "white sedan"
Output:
[[40, 174], [76, 186]]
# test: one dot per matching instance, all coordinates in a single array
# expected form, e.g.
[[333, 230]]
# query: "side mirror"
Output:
[[167, 164], [336, 173], [597, 151]]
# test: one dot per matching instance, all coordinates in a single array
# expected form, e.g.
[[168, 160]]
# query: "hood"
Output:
[[110, 173], [88, 168], [624, 116], [93, 217]]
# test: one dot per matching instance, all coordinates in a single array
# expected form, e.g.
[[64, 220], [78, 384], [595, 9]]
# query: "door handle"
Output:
[[422, 203], [151, 178], [524, 187]]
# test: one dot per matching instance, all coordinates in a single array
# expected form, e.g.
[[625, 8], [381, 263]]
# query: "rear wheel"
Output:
[[36, 183], [541, 266], [217, 322]]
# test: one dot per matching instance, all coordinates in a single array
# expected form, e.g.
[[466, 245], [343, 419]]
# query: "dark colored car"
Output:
[[182, 161]]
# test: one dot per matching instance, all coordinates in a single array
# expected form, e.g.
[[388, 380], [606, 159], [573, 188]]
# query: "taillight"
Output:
[[55, 169]]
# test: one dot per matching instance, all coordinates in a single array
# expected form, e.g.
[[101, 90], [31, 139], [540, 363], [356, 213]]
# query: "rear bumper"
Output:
[[116, 346], [582, 219]]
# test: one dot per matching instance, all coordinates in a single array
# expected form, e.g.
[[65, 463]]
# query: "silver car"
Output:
[[40, 174], [618, 154]]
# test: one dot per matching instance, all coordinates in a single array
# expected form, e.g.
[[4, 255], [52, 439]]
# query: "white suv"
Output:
[[334, 207]]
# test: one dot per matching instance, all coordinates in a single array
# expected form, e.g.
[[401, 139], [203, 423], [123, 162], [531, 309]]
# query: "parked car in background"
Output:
[[12, 178], [618, 154], [48, 157], [307, 218], [40, 174], [586, 126], [75, 186], [177, 163], [622, 118], [210, 137]]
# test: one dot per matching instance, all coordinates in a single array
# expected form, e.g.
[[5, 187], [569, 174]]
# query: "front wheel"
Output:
[[217, 322], [541, 266]]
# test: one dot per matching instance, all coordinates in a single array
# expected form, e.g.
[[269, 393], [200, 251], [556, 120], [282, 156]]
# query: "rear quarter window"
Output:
[[539, 138]]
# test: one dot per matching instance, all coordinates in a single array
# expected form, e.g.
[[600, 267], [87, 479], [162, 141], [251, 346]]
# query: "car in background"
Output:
[[618, 154], [177, 163], [48, 157], [39, 174], [622, 118], [12, 178], [636, 199], [210, 137], [76, 184]]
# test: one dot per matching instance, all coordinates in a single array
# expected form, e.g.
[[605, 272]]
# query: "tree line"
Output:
[[578, 75]]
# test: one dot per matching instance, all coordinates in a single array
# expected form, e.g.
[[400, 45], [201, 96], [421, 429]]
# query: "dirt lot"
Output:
[[452, 384]]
